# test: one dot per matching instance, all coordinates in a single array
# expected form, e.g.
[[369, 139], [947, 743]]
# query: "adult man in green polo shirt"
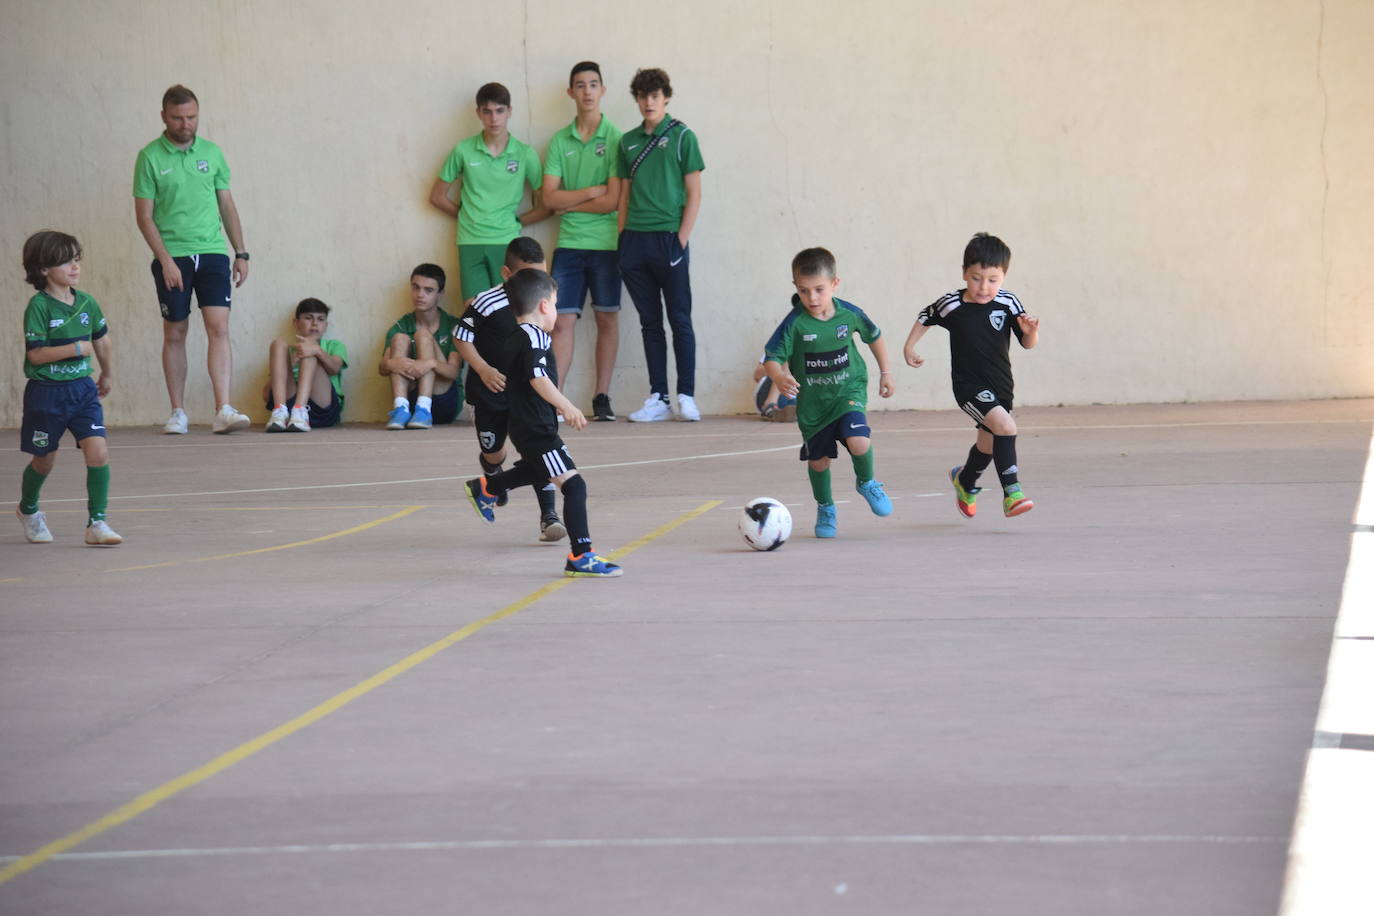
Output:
[[661, 162], [181, 200], [582, 184], [491, 170]]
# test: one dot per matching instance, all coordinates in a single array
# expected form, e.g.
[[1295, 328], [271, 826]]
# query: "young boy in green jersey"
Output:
[[419, 357], [491, 170], [62, 327], [816, 344], [981, 319], [314, 364]]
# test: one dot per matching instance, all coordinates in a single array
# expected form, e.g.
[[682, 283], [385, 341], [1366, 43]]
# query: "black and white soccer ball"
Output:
[[765, 523]]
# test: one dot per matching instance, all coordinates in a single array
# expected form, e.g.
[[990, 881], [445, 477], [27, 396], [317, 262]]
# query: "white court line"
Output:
[[1333, 836], [679, 842]]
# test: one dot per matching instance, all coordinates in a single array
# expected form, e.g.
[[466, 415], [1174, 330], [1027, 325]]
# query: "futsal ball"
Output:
[[765, 523]]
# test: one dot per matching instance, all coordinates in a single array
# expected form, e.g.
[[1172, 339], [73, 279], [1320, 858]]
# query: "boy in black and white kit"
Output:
[[534, 402], [981, 319]]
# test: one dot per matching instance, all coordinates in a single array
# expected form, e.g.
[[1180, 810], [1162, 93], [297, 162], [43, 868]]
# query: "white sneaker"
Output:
[[35, 527], [176, 423], [228, 419], [99, 534], [687, 408], [278, 420], [300, 420], [655, 408]]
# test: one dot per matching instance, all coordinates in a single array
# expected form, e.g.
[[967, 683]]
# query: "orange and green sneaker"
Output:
[[966, 501], [1015, 503]]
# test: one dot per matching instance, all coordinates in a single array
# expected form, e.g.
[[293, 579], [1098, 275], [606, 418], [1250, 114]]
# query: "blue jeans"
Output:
[[577, 270], [654, 267]]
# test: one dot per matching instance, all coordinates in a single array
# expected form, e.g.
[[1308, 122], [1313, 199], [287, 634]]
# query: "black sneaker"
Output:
[[601, 408], [551, 529]]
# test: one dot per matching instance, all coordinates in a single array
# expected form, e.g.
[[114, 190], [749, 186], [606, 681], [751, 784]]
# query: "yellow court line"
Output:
[[132, 809], [408, 510]]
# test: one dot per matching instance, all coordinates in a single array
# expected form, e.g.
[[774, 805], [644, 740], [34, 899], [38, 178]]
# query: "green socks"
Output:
[[97, 492], [863, 465], [820, 486], [28, 492]]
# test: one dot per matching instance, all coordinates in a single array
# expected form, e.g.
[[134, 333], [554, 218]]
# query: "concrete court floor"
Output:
[[1099, 707]]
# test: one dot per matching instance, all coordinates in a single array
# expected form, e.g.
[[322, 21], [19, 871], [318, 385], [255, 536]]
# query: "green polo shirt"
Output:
[[183, 186], [492, 188], [656, 192], [50, 322], [585, 165], [443, 335], [333, 348]]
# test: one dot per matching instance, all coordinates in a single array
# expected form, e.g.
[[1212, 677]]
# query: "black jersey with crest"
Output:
[[979, 339], [526, 356]]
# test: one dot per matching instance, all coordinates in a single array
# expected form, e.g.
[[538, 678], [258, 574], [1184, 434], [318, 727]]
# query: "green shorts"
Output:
[[479, 268]]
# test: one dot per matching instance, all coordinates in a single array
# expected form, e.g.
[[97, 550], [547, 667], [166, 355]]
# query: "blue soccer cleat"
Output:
[[872, 490], [590, 566], [398, 418], [481, 500], [421, 419], [825, 520]]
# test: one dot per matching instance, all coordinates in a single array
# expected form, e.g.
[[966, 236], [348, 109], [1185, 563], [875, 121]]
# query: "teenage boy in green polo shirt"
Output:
[[661, 164], [493, 168], [582, 185], [181, 200], [419, 357]]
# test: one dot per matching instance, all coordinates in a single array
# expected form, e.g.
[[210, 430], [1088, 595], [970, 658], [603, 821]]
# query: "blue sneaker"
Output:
[[825, 520], [421, 419], [481, 500], [590, 566], [398, 418], [872, 490]]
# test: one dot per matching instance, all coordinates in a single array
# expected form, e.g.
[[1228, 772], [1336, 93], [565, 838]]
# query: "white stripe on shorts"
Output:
[[971, 409], [554, 463]]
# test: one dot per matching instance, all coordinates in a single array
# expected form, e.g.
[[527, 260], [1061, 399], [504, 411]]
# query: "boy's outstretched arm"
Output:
[[782, 378], [1030, 330], [546, 389], [885, 386], [913, 358]]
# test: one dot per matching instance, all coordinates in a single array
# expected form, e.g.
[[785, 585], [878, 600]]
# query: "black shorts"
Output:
[[547, 459], [320, 417], [209, 276], [445, 406], [825, 443], [52, 408], [491, 428], [978, 402]]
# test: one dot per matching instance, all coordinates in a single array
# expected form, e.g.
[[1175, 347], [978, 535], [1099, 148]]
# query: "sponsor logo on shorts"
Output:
[[203, 165], [487, 441], [998, 319], [987, 397], [40, 438]]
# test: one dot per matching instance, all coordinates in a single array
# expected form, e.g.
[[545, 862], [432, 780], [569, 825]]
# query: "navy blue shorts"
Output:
[[492, 426], [208, 275], [825, 443], [51, 408], [445, 407], [577, 270], [328, 415]]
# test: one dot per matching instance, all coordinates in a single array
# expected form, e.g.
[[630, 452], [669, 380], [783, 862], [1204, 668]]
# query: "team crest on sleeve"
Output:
[[842, 331], [997, 319], [40, 438], [512, 166], [203, 165]]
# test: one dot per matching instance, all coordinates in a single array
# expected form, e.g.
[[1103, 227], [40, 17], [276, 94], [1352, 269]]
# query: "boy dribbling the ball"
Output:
[[816, 342], [980, 319], [63, 326]]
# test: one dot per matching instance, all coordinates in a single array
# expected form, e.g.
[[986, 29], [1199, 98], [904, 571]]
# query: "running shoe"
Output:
[[825, 520], [878, 501], [655, 408], [398, 418], [100, 534], [277, 422], [551, 529], [420, 419], [601, 408], [35, 527], [1015, 503], [227, 420], [590, 566], [687, 408], [481, 500], [966, 501], [300, 420], [176, 423]]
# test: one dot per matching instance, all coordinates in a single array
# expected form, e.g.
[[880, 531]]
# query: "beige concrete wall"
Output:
[[1185, 187]]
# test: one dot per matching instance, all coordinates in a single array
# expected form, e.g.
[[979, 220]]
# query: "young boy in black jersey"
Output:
[[479, 340], [980, 319], [534, 403]]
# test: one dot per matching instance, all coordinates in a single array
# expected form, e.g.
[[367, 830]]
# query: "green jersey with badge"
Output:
[[333, 348], [443, 335], [824, 357], [492, 188], [183, 185], [586, 164], [657, 195], [50, 322]]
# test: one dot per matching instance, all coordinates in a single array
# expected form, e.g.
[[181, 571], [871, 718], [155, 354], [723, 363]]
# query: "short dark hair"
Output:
[[45, 249], [527, 288], [433, 272], [493, 92], [311, 306], [178, 95], [812, 262], [583, 67], [987, 251], [647, 80], [523, 250]]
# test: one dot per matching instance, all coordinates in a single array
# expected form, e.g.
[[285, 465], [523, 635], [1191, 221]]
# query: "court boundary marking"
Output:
[[154, 797]]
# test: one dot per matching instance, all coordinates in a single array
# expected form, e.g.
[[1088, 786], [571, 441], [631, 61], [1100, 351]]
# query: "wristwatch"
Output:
[[241, 255]]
